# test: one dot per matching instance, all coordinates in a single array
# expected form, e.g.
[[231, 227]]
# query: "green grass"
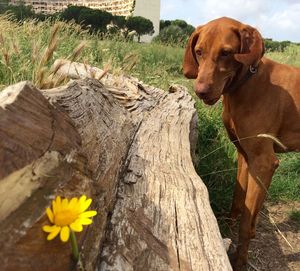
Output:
[[294, 216], [291, 56], [286, 181], [156, 65], [216, 155]]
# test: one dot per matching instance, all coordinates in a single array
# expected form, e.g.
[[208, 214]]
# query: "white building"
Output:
[[149, 9]]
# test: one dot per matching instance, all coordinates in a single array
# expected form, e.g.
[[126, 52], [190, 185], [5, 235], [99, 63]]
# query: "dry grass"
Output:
[[37, 44], [28, 50]]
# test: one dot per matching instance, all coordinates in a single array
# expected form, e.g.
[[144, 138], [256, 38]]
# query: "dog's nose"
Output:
[[202, 90]]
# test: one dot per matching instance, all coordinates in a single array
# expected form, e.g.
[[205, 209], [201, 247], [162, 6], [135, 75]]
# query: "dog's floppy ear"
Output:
[[190, 64], [252, 46]]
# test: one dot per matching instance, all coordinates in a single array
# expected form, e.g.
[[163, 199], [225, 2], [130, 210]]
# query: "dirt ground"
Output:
[[277, 243]]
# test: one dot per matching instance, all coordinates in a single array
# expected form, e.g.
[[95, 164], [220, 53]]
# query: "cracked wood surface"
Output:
[[70, 141], [162, 219], [128, 146]]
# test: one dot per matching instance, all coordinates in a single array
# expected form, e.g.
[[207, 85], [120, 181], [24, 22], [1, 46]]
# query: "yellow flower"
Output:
[[68, 215]]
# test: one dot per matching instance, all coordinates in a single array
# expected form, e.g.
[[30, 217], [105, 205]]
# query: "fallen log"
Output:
[[76, 145], [128, 146]]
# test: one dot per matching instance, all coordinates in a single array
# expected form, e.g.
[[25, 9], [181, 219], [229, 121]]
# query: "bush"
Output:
[[276, 46], [163, 24], [174, 32]]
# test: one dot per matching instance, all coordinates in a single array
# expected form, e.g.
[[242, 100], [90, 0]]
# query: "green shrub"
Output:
[[174, 33], [276, 46]]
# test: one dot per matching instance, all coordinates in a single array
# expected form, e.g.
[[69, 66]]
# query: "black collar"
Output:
[[237, 84]]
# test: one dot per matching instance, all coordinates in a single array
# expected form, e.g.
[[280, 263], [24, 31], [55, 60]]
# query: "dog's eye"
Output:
[[198, 52], [225, 53]]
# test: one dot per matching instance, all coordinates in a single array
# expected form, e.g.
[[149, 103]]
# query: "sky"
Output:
[[276, 19]]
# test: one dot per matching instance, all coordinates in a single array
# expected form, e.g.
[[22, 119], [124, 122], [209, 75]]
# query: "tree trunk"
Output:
[[75, 146], [128, 146]]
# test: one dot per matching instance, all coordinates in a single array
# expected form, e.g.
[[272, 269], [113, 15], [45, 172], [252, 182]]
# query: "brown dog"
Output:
[[261, 102]]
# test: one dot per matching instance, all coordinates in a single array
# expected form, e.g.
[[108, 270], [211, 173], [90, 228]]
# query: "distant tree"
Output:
[[141, 25], [72, 13], [3, 5], [174, 32], [189, 29], [284, 44], [44, 17], [181, 23], [20, 11], [98, 19], [119, 21], [163, 24], [276, 46], [41, 16]]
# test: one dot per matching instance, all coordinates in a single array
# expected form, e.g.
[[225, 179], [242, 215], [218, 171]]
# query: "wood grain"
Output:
[[129, 147]]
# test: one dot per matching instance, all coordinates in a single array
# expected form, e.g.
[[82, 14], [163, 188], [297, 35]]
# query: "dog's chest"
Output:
[[229, 124]]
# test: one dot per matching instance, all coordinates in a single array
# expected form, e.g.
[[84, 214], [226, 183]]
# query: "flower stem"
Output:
[[74, 246]]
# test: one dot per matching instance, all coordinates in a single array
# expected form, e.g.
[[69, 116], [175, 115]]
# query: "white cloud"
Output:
[[242, 10], [277, 19], [283, 25]]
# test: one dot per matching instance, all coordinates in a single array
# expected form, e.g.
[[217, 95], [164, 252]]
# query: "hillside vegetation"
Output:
[[28, 49]]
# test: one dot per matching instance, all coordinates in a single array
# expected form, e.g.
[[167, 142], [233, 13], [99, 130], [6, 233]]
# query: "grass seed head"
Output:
[[77, 51]]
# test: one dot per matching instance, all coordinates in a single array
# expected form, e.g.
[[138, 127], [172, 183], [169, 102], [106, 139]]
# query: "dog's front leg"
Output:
[[262, 163], [240, 190]]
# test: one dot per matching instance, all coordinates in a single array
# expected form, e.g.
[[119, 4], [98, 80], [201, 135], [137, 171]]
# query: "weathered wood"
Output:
[[128, 146], [74, 145], [29, 127], [162, 219]]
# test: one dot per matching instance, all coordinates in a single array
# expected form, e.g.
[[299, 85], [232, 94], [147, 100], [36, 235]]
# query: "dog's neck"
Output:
[[241, 78]]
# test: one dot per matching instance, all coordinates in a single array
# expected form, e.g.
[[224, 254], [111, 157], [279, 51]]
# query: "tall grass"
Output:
[[24, 46], [291, 55], [28, 50]]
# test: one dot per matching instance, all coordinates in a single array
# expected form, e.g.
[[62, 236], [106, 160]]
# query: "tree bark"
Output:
[[129, 147], [74, 145]]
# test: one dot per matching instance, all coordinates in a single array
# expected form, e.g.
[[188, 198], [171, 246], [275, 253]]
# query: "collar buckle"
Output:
[[253, 69]]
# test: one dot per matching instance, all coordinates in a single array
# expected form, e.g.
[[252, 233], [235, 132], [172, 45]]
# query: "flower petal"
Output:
[[54, 207], [48, 228], [64, 204], [85, 221], [49, 214], [85, 205], [72, 203], [55, 231], [82, 199], [57, 204], [65, 234], [88, 214], [76, 226]]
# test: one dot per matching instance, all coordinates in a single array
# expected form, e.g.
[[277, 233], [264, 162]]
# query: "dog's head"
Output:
[[216, 54]]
